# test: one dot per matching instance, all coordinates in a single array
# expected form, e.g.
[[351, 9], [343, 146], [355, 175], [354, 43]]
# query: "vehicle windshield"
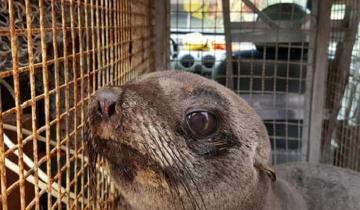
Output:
[[206, 15]]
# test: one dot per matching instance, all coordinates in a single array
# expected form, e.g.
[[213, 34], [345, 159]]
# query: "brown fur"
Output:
[[156, 164]]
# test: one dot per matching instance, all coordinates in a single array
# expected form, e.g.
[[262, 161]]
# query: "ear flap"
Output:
[[267, 170]]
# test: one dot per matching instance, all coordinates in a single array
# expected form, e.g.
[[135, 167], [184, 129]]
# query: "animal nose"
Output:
[[107, 98]]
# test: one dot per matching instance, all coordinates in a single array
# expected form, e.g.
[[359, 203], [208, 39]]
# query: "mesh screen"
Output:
[[341, 126], [53, 56], [269, 59]]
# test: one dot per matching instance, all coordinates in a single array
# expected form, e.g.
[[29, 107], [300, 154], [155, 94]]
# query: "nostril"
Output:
[[106, 108], [111, 109], [106, 100]]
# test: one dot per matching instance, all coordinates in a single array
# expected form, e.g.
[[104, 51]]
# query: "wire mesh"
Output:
[[53, 56], [341, 126], [270, 47], [196, 36]]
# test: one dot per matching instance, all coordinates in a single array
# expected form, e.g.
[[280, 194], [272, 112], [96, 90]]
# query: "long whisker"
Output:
[[149, 151], [160, 159], [181, 160], [187, 190]]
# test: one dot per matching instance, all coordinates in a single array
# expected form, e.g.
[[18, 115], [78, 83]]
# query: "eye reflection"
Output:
[[201, 123]]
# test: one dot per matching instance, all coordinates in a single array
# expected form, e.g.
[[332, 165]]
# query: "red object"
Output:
[[218, 46]]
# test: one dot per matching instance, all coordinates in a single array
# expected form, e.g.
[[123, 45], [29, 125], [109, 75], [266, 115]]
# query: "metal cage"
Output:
[[341, 125], [53, 56], [294, 61], [264, 58]]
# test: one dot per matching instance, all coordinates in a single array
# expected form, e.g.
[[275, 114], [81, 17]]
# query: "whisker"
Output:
[[180, 159], [170, 154], [160, 159], [187, 190], [188, 173]]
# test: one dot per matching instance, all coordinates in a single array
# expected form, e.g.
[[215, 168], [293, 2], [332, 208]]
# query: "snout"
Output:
[[106, 99]]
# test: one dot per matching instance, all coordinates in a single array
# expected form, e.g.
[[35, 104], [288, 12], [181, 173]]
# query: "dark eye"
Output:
[[201, 123]]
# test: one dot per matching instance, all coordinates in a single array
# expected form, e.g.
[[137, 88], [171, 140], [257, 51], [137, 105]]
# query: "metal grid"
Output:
[[270, 42], [53, 56], [341, 126], [196, 32]]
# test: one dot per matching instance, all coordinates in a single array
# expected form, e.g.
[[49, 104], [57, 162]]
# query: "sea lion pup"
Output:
[[175, 140]]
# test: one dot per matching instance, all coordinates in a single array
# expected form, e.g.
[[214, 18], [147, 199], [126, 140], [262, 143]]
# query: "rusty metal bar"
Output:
[[106, 32], [116, 40], [111, 41], [72, 48], [103, 34], [99, 51], [46, 99], [2, 163], [82, 117], [75, 97], [16, 80], [57, 102], [33, 104], [67, 104]]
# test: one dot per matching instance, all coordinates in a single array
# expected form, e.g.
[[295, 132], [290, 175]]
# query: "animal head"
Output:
[[176, 139]]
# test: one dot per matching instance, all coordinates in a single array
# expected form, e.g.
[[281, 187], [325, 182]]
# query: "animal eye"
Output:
[[201, 123]]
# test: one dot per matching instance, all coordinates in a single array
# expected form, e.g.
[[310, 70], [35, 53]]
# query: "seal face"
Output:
[[175, 140]]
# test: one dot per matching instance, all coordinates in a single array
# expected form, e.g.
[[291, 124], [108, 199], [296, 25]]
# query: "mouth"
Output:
[[128, 161], [128, 165]]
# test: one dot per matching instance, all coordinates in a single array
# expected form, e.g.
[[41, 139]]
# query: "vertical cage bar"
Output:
[[111, 41], [84, 170], [103, 44], [94, 47], [67, 103], [46, 101], [127, 31], [161, 33], [33, 102], [116, 41], [129, 40], [57, 101], [16, 79], [107, 44], [4, 195], [118, 45], [122, 35], [228, 41], [75, 101], [87, 41], [82, 104], [98, 40], [319, 80]]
